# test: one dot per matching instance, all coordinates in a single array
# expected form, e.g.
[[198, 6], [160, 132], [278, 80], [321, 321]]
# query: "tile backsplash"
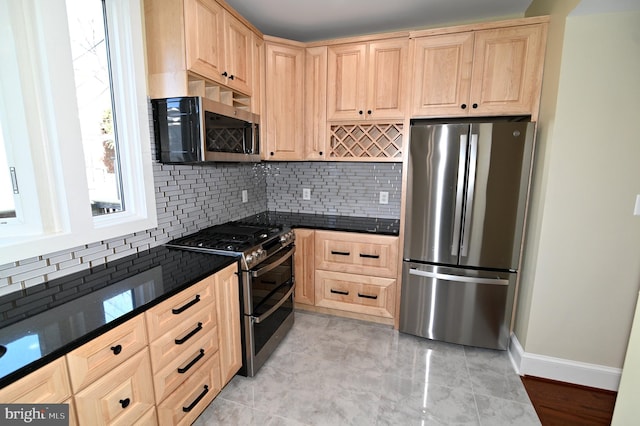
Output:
[[192, 197]]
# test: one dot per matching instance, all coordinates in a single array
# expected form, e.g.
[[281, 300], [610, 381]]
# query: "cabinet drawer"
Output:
[[121, 397], [192, 397], [185, 364], [170, 345], [102, 354], [356, 293], [173, 311], [49, 384], [357, 253]]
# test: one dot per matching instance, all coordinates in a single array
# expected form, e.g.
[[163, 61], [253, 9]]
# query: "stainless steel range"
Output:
[[266, 281]]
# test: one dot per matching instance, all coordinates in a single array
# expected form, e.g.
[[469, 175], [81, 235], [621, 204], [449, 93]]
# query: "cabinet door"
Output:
[[347, 82], [304, 266], [49, 384], [204, 38], [238, 50], [441, 80], [228, 313], [315, 103], [283, 103], [387, 65], [507, 70], [120, 397]]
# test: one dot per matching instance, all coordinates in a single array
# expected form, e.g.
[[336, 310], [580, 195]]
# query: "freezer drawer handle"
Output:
[[370, 256], [186, 368], [340, 253], [345, 293], [458, 278], [195, 401], [177, 311], [189, 335], [368, 296]]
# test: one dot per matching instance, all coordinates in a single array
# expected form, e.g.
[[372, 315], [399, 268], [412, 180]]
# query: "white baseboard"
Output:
[[563, 370]]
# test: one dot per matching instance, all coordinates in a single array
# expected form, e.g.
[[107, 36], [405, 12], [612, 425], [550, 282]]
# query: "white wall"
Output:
[[585, 247]]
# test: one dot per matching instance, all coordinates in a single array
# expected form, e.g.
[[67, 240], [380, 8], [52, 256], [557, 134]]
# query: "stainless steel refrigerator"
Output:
[[467, 187]]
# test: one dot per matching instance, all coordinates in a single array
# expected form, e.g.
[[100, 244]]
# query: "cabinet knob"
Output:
[[271, 153], [369, 112], [360, 112], [125, 402], [463, 106], [116, 349], [231, 77], [224, 74], [474, 106], [320, 153]]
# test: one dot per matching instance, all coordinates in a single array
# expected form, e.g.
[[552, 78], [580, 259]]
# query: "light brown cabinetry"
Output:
[[47, 384], [121, 397], [227, 292], [494, 71], [283, 116], [367, 80], [346, 273], [304, 266], [315, 103], [101, 355], [198, 47]]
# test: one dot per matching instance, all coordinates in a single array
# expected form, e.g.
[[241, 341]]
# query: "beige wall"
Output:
[[582, 260]]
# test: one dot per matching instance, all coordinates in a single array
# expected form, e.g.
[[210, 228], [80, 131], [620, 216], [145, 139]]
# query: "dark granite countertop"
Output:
[[367, 225], [44, 322]]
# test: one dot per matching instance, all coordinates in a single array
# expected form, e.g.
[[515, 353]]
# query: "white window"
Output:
[[74, 125]]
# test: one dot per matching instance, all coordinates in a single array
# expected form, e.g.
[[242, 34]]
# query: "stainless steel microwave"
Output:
[[195, 129]]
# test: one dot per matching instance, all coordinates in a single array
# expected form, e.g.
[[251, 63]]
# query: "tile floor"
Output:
[[336, 371]]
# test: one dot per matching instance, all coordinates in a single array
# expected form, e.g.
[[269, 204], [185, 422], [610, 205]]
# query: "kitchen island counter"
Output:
[[46, 321]]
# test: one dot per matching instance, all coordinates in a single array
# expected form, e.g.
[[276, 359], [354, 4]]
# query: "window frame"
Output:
[[55, 142]]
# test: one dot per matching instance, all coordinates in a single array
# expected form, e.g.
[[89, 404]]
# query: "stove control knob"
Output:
[[249, 259]]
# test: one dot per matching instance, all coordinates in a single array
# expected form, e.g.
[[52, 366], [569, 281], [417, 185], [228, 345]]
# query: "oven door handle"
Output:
[[264, 316], [270, 266]]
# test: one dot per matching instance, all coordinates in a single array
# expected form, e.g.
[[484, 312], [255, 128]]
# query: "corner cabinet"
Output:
[[283, 120], [198, 47], [347, 274], [485, 72]]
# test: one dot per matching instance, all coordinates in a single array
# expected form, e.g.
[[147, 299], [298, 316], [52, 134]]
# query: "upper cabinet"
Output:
[[282, 120], [366, 80], [493, 71], [197, 47]]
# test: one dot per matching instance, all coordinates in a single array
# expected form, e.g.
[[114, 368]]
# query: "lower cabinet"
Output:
[[192, 396], [162, 367], [346, 273], [121, 397]]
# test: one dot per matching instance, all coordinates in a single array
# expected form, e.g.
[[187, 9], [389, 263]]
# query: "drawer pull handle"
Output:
[[370, 256], [187, 306], [340, 253], [190, 335], [191, 363], [125, 402], [116, 349], [339, 292], [368, 296], [195, 402]]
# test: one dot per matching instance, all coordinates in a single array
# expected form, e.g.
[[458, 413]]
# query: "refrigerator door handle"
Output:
[[458, 278], [459, 194], [471, 183]]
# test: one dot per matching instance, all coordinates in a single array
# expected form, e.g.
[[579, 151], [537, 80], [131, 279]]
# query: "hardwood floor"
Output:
[[565, 404]]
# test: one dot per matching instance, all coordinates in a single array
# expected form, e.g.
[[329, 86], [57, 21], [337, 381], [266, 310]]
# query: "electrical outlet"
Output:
[[306, 193], [384, 197], [245, 196]]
